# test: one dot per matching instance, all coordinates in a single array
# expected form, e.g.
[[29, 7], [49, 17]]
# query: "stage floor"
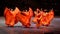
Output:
[[54, 28]]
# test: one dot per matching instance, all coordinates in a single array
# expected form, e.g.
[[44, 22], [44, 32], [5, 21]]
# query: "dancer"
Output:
[[10, 16], [38, 16], [48, 16], [25, 19], [43, 18]]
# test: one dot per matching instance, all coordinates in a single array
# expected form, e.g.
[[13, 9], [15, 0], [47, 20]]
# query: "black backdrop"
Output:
[[24, 4]]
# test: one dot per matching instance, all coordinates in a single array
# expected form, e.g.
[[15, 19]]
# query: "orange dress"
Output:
[[10, 16], [25, 19], [43, 18], [38, 16], [39, 19], [47, 17]]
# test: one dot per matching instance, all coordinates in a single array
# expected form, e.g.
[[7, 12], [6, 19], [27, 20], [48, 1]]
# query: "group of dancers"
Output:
[[41, 17]]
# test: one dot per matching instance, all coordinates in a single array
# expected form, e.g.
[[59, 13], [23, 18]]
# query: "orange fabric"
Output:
[[49, 16], [25, 19], [43, 18], [10, 17]]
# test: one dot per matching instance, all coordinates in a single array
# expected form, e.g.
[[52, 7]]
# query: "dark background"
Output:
[[24, 4]]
